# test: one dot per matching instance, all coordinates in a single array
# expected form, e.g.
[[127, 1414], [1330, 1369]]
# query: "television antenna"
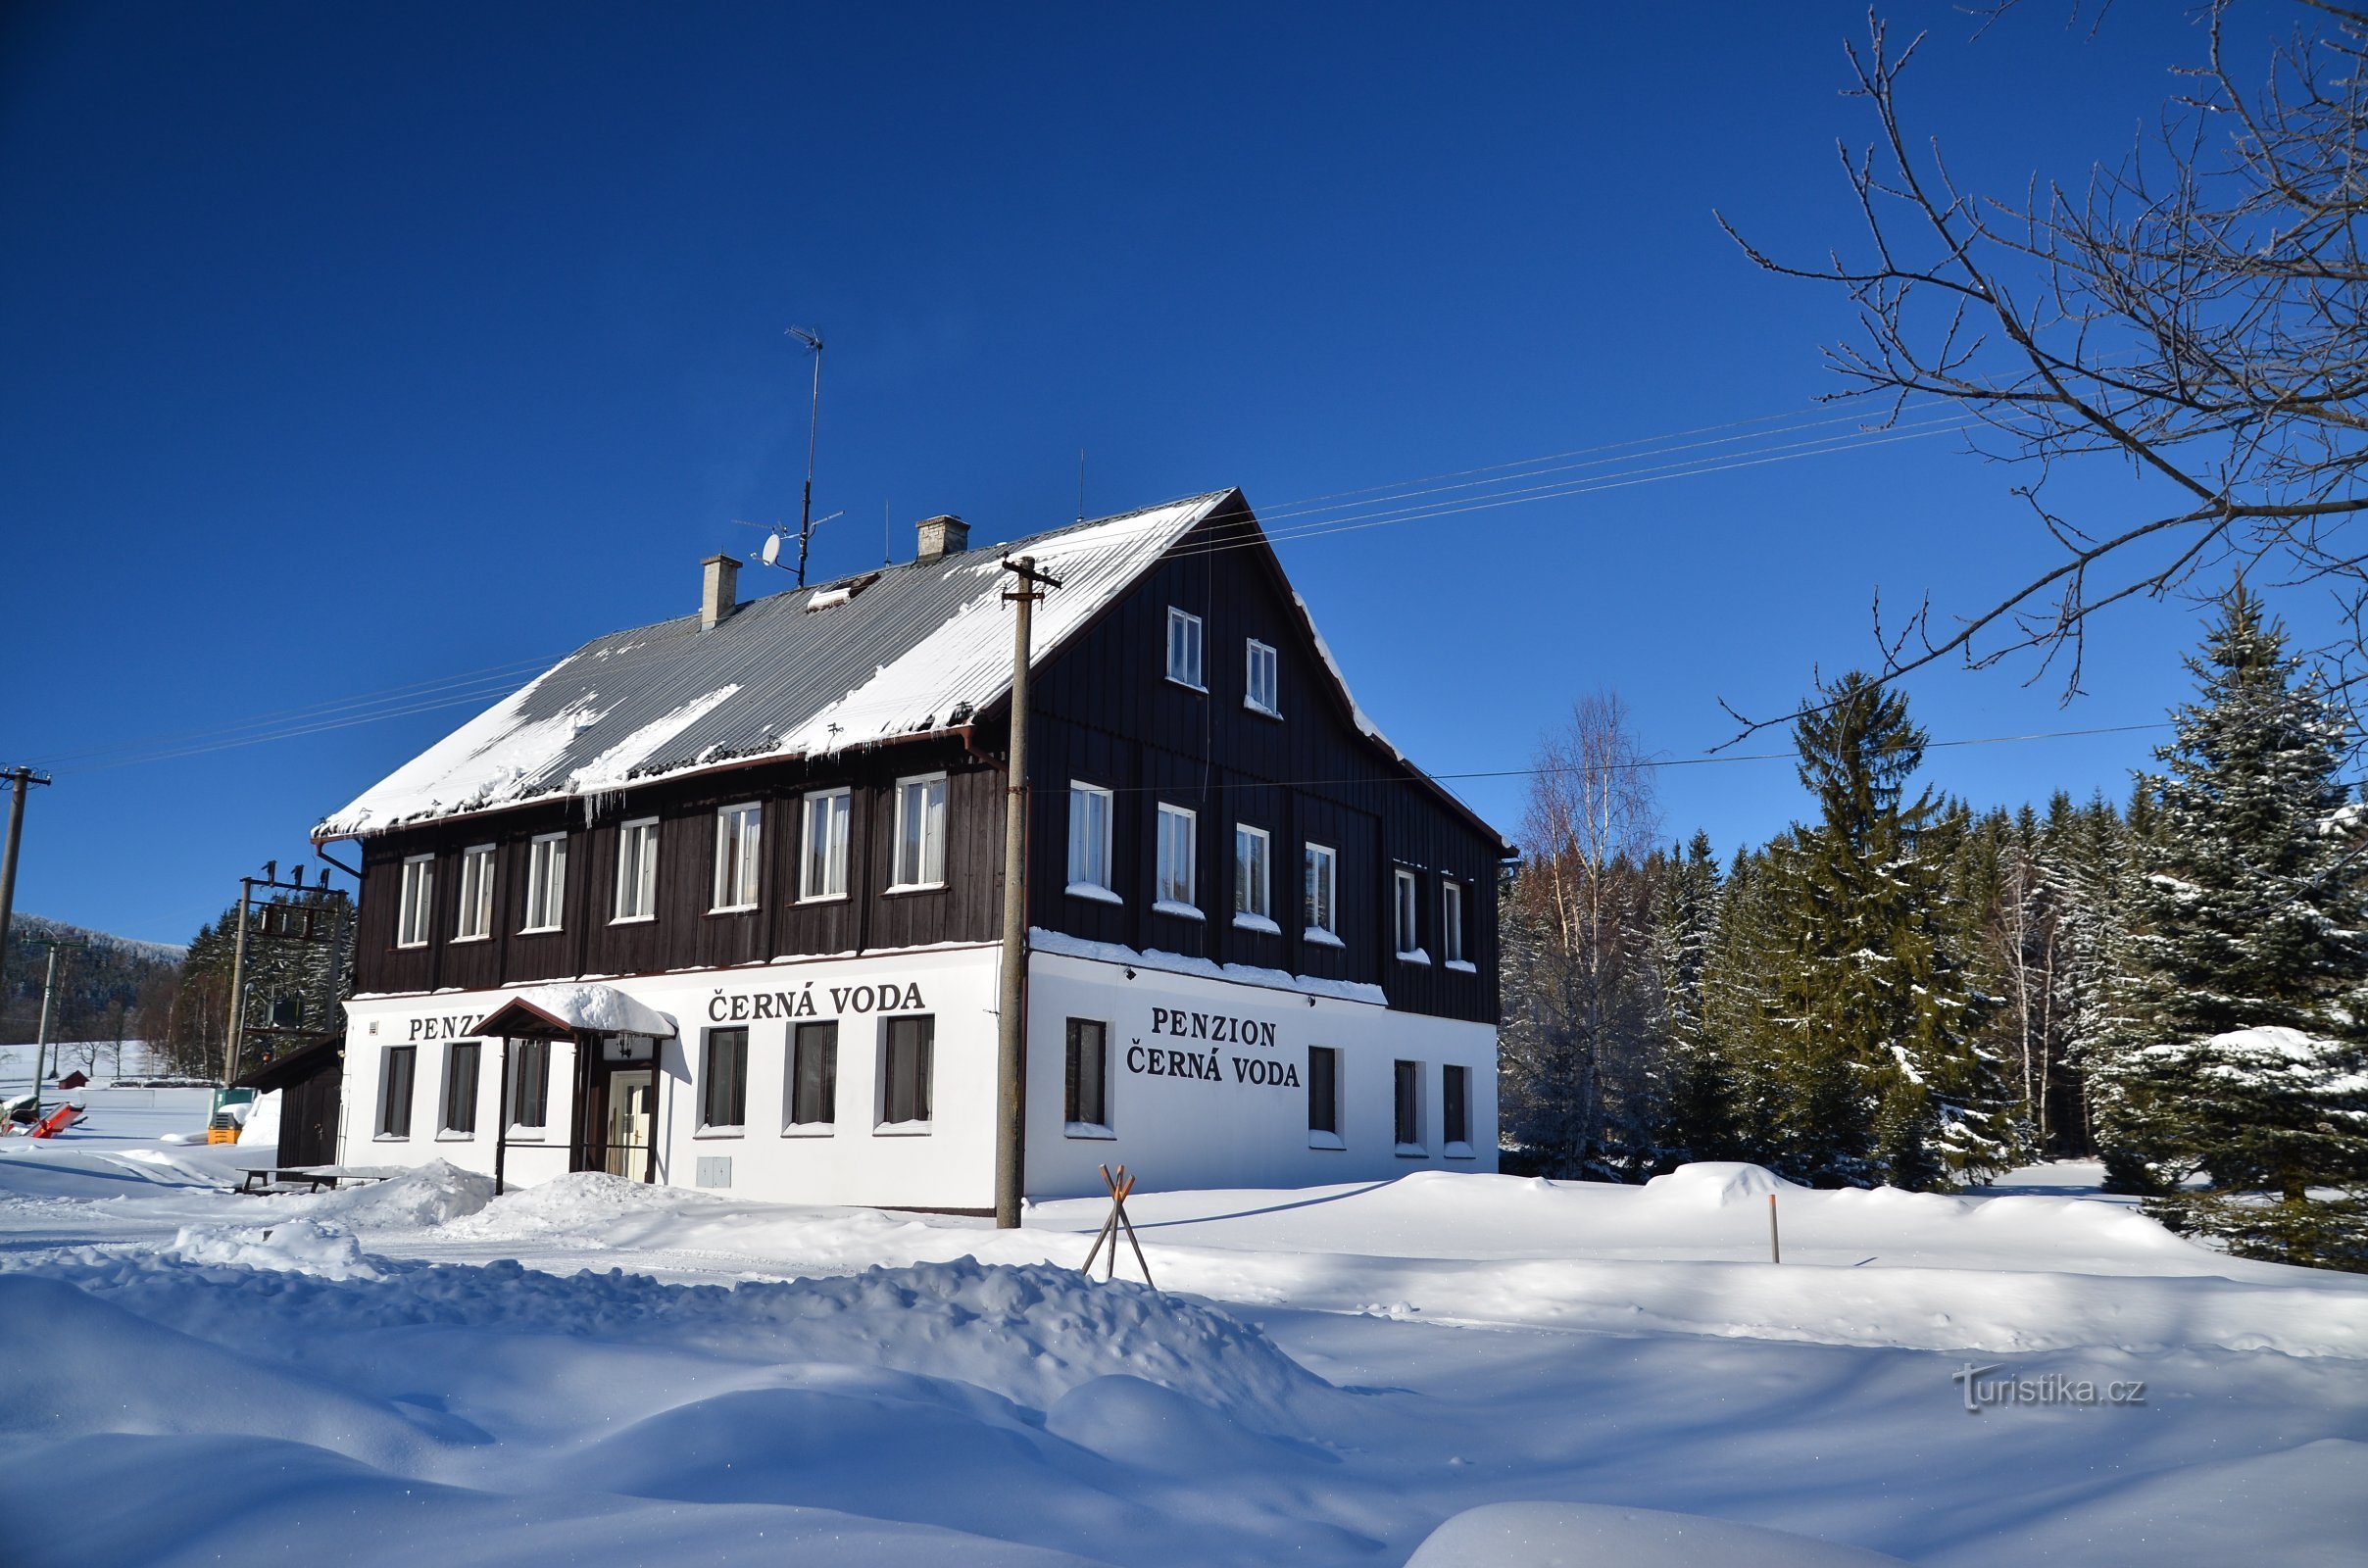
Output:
[[778, 535], [813, 419]]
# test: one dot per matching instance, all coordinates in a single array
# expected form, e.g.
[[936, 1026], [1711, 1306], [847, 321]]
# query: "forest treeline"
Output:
[[1904, 990]]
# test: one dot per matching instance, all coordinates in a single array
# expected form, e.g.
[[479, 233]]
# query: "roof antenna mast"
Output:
[[813, 419]]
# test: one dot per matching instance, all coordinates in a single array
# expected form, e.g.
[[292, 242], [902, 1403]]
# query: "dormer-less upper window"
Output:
[[739, 856], [418, 899], [1258, 683], [1184, 648], [546, 881]]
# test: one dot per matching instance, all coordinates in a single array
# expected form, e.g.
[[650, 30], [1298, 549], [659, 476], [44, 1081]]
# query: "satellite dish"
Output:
[[770, 555]]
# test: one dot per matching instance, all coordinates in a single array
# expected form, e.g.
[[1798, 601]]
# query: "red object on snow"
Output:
[[57, 1122], [73, 1080]]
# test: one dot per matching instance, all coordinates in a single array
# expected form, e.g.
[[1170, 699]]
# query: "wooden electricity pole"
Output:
[[19, 780], [1012, 1039], [49, 1003], [239, 982]]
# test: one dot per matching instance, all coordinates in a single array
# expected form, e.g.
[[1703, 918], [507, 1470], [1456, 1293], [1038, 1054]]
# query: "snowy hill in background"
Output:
[[99, 983], [23, 926]]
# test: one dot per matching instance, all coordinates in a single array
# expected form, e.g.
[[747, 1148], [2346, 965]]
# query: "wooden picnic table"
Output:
[[264, 1178]]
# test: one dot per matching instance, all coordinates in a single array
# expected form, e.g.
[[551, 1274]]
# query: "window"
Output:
[[813, 1075], [1251, 903], [1451, 925], [419, 900], [1323, 1098], [1257, 684], [1409, 1118], [1322, 889], [1179, 831], [476, 894], [529, 1083], [1085, 1101], [739, 840], [1090, 841], [921, 831], [823, 858], [1456, 1109], [905, 1071], [724, 1081], [637, 871], [1408, 910], [1184, 647], [395, 1068], [546, 881], [461, 1088]]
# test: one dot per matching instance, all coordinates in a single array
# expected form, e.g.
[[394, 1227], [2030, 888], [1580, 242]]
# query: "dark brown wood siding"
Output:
[[1102, 711], [688, 934], [1105, 712]]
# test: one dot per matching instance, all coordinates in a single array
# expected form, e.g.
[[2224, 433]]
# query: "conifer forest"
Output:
[[1901, 990]]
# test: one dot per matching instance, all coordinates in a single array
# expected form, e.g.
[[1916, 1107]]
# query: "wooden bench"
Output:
[[260, 1179]]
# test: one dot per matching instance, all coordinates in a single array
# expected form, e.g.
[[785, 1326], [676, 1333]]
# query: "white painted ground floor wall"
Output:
[[1236, 1114]]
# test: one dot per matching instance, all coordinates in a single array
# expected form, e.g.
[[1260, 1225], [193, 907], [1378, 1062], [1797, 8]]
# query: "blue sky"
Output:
[[353, 347]]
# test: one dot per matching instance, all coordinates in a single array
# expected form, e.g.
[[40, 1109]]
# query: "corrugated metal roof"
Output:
[[919, 648]]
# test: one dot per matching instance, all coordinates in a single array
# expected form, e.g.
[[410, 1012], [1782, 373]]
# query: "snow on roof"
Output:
[[917, 651], [601, 1009]]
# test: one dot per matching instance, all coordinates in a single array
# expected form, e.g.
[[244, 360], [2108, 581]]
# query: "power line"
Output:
[[1388, 506]]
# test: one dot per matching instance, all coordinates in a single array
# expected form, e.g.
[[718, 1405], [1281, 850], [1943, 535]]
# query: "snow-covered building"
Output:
[[717, 902]]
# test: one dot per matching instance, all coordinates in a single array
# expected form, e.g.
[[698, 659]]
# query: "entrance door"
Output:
[[631, 1093]]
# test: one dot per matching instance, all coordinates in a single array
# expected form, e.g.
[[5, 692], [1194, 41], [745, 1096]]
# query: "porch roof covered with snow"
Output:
[[563, 1012]]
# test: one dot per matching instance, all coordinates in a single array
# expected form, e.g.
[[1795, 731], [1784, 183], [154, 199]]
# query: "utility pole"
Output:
[[239, 982], [19, 780], [49, 999], [1011, 1039]]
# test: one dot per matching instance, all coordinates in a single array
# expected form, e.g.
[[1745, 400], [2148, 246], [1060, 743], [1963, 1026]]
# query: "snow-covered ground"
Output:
[[1461, 1369]]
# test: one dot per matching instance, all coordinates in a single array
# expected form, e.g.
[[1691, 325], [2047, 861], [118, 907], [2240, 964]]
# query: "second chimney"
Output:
[[945, 535], [718, 590]]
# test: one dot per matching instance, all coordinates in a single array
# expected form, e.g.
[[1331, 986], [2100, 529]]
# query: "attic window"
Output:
[[833, 598]]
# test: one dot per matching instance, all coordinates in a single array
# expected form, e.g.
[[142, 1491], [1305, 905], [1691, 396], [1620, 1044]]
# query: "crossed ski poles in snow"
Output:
[[1121, 1186]]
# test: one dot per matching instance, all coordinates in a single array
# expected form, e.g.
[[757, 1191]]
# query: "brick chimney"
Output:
[[946, 535], [718, 590]]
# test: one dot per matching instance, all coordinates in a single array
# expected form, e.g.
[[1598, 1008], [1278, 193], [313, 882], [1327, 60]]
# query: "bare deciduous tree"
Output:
[[2198, 312], [1583, 890]]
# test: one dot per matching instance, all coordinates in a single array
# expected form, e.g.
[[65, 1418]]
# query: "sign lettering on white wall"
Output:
[[1204, 1062], [757, 1007], [460, 1028]]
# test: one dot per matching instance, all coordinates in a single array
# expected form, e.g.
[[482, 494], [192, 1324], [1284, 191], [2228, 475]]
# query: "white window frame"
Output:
[[834, 811], [1405, 916], [1091, 809], [1185, 625], [474, 920], [546, 883], [1256, 654], [1451, 927], [637, 844], [1323, 921], [1164, 885], [1254, 883], [417, 906], [739, 879], [932, 843]]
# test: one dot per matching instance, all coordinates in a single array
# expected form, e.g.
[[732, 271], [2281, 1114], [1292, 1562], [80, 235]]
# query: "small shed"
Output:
[[307, 1080], [74, 1079]]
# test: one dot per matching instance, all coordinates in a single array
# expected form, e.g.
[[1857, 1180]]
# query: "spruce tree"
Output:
[[1881, 1080], [1700, 1120], [2246, 1056]]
